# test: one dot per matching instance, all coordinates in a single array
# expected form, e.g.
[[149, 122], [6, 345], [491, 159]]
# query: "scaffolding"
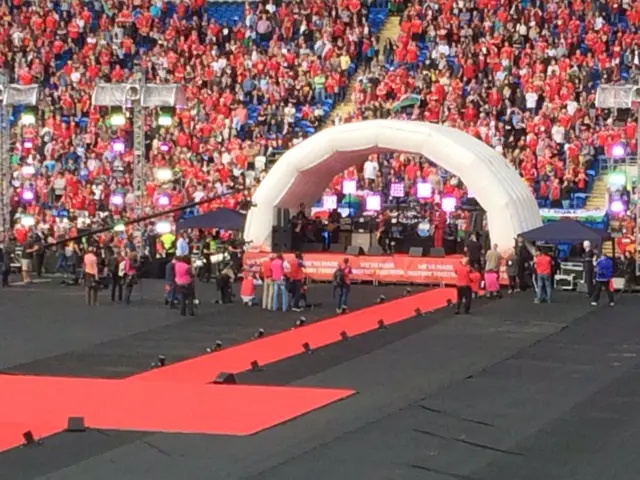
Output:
[[625, 97], [10, 96], [139, 96]]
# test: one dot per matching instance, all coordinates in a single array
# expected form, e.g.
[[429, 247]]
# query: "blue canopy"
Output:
[[222, 218], [565, 231]]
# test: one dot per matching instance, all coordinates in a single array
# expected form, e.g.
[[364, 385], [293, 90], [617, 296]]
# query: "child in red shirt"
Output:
[[248, 289]]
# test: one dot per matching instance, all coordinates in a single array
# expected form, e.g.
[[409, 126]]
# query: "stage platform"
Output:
[[512, 391], [398, 268]]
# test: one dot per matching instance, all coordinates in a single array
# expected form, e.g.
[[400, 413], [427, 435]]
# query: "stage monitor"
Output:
[[373, 203], [424, 190], [397, 190], [349, 187]]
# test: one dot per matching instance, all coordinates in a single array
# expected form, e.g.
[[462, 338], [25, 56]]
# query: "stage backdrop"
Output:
[[385, 269]]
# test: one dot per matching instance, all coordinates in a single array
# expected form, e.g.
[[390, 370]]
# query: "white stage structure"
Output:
[[303, 173]]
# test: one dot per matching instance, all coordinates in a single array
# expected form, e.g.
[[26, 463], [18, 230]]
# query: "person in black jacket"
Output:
[[629, 269], [525, 265], [588, 259]]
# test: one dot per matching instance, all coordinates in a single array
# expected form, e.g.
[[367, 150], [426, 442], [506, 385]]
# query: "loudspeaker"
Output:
[[28, 437], [281, 239], [355, 250], [281, 217], [363, 240], [437, 252], [374, 250], [224, 378], [76, 424], [416, 252], [336, 248], [312, 247]]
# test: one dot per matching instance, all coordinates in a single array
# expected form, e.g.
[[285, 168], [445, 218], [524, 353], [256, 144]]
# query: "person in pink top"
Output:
[[184, 285], [279, 283]]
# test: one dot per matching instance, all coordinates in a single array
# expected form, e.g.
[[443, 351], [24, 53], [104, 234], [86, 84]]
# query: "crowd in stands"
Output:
[[521, 76], [259, 77]]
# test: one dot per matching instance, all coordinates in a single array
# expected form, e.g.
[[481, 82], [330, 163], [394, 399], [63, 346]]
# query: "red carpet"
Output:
[[179, 399], [286, 344], [47, 402]]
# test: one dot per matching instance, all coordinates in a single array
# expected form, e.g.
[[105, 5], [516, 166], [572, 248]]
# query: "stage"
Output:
[[397, 268]]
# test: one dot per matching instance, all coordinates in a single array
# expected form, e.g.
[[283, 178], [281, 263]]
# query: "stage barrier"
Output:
[[384, 269]]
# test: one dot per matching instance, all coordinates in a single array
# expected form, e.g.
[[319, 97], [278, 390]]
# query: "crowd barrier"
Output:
[[383, 269]]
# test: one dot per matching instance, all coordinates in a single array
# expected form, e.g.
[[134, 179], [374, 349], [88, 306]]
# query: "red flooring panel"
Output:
[[151, 406], [177, 398], [289, 343]]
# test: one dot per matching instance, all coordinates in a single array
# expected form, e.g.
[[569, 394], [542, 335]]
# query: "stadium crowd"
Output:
[[520, 75]]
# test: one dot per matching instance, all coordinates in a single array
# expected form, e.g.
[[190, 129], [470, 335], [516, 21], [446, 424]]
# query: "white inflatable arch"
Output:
[[303, 173]]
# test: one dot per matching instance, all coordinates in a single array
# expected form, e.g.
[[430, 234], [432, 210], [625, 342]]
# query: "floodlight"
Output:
[[118, 145], [27, 195], [616, 179], [618, 150], [28, 170], [349, 187], [119, 227], [27, 143], [165, 147], [163, 200], [373, 203], [117, 199], [616, 207], [424, 190], [27, 221], [397, 190], [165, 119], [449, 204], [118, 119], [164, 174], [330, 202], [28, 118]]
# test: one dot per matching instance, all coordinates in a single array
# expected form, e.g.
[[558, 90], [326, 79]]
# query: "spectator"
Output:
[[463, 286], [604, 270], [512, 270], [342, 285], [543, 266], [91, 276], [279, 283]]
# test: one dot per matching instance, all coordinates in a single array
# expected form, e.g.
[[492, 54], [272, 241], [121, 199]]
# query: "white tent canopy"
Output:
[[303, 173]]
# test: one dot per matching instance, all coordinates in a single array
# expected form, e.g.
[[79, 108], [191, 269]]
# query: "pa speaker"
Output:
[[312, 247], [375, 250], [281, 239], [336, 248], [355, 250], [416, 252], [224, 378], [437, 252]]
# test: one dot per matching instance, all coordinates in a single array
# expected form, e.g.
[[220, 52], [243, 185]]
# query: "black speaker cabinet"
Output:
[[312, 247], [375, 250], [281, 239], [437, 252], [336, 248], [416, 252], [224, 378], [355, 250]]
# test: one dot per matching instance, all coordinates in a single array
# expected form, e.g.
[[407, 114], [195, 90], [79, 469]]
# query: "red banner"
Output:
[[385, 269]]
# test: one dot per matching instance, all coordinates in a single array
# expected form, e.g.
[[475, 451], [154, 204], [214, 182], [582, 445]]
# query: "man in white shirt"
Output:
[[182, 246], [370, 171]]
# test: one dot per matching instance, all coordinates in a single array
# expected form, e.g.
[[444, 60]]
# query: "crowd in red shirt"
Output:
[[250, 82], [519, 75]]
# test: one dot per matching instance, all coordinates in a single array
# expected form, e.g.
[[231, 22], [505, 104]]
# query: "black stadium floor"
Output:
[[514, 391]]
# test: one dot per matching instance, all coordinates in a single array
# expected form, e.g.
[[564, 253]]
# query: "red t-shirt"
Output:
[[543, 264], [463, 275]]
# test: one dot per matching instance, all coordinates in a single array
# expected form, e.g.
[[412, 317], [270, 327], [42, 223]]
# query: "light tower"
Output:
[[619, 97], [11, 96], [139, 96]]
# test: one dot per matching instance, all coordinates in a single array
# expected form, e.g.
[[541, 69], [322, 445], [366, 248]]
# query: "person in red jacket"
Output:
[[463, 286]]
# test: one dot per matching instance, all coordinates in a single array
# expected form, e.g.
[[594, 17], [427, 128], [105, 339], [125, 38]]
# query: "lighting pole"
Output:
[[625, 96], [139, 96], [11, 96]]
